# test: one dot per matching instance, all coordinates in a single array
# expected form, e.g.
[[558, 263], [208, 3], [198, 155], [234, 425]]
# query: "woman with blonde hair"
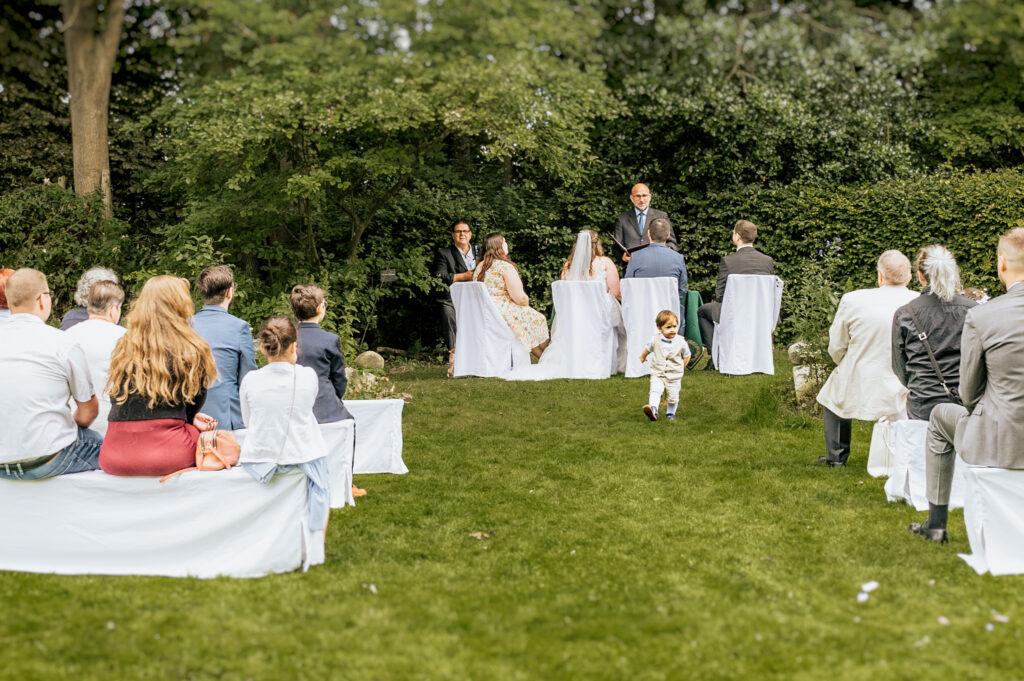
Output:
[[159, 374], [501, 277], [930, 367]]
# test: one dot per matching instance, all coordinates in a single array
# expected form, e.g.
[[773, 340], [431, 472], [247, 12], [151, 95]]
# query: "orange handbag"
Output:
[[215, 451]]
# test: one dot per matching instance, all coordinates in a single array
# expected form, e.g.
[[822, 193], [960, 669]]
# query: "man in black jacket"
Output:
[[631, 226], [451, 264], [745, 260]]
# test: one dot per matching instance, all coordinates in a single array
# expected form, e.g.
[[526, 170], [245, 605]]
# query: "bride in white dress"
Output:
[[587, 262]]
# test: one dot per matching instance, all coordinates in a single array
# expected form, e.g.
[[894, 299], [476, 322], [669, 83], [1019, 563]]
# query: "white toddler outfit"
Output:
[[667, 357]]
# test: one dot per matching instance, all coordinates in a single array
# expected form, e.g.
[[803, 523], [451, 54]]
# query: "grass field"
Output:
[[708, 548]]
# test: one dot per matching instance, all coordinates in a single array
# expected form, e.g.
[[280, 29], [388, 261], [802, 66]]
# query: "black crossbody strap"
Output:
[[923, 337]]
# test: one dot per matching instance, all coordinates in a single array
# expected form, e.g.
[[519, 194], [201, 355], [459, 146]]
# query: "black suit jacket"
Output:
[[447, 263], [743, 261], [321, 351], [628, 233]]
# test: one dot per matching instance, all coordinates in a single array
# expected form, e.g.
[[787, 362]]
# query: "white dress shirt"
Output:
[[277, 409], [468, 257], [41, 369], [98, 338]]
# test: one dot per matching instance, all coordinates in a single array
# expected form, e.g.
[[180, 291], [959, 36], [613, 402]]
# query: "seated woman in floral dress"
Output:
[[501, 277]]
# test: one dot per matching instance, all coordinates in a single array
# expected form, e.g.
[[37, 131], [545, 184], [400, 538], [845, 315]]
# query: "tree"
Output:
[[91, 38]]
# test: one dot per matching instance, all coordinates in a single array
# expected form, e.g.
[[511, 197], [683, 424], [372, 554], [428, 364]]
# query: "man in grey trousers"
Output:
[[988, 430]]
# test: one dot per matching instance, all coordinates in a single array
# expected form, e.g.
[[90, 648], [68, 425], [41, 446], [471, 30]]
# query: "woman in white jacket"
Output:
[[277, 409]]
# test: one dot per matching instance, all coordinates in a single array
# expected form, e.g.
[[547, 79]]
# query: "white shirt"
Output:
[[277, 410], [98, 338], [468, 257], [5, 315], [41, 369]]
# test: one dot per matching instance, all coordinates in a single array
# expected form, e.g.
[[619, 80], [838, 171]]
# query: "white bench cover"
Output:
[[994, 516]]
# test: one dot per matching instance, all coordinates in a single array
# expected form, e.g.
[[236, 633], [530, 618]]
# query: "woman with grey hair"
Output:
[[92, 276], [926, 334]]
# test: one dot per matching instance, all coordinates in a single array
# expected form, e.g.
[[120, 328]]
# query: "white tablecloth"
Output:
[[378, 436], [198, 524], [994, 516]]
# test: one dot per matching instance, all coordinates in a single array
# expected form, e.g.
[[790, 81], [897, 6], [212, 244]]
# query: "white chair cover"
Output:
[[994, 516], [880, 453], [743, 334], [908, 479], [378, 436], [484, 344], [198, 524], [642, 300], [583, 339]]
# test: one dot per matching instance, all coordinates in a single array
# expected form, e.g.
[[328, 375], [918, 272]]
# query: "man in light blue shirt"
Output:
[[658, 260], [230, 338]]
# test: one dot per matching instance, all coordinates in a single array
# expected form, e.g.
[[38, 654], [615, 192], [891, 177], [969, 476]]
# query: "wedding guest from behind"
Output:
[[230, 339], [587, 262], [77, 315], [863, 385], [668, 353], [5, 310], [631, 226], [320, 350], [452, 264], [41, 371], [744, 260], [98, 335], [277, 410], [658, 260], [988, 429], [926, 334], [501, 277], [159, 375]]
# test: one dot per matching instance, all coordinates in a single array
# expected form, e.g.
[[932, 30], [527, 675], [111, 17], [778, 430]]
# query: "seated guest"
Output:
[[744, 260], [159, 374], [988, 430], [98, 335], [41, 371], [230, 339], [501, 277], [863, 386], [79, 314], [320, 350], [5, 310], [277, 409], [451, 264], [930, 367], [658, 260]]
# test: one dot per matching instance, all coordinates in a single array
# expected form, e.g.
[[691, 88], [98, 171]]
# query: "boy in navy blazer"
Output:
[[230, 338]]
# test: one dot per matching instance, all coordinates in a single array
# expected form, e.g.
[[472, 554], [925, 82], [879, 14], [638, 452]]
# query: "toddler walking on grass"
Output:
[[668, 352]]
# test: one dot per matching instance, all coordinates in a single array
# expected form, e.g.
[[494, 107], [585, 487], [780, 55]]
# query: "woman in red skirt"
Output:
[[159, 374]]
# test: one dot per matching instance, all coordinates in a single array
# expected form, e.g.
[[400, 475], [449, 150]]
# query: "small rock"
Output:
[[796, 353], [370, 360], [862, 597], [351, 373]]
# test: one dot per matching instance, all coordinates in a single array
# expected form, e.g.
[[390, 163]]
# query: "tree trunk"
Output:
[[90, 41]]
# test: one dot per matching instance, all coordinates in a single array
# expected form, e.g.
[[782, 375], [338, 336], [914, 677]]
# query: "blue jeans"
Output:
[[81, 455]]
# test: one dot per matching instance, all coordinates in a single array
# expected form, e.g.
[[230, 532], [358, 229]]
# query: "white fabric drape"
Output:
[[743, 335], [378, 436], [642, 300], [994, 516], [198, 524], [484, 344], [908, 479], [583, 338]]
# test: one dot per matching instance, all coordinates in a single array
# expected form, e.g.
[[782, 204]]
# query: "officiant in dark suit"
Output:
[[454, 263], [631, 226]]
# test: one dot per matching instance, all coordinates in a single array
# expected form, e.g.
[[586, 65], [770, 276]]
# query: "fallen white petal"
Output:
[[868, 587]]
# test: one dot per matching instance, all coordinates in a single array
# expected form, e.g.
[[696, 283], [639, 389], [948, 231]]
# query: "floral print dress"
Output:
[[529, 326]]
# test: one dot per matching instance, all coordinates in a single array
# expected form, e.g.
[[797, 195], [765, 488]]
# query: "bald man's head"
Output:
[[640, 196]]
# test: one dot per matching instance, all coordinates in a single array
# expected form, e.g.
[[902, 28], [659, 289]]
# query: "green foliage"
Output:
[[62, 234]]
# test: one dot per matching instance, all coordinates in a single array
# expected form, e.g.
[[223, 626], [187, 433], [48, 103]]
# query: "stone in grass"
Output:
[[370, 360]]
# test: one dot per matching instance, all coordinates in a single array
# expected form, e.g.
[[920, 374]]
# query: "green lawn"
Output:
[[709, 548]]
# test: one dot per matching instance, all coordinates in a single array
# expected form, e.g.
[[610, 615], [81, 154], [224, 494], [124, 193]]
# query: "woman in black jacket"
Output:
[[938, 313]]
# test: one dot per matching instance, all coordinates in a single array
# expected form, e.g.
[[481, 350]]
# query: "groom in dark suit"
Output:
[[454, 263], [745, 260], [631, 226]]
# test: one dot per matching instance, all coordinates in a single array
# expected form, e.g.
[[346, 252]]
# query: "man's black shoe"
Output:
[[937, 535], [833, 464], [709, 366]]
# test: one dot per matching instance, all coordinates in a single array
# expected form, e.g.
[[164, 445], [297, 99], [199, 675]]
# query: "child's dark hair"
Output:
[[305, 300], [662, 319], [277, 335]]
